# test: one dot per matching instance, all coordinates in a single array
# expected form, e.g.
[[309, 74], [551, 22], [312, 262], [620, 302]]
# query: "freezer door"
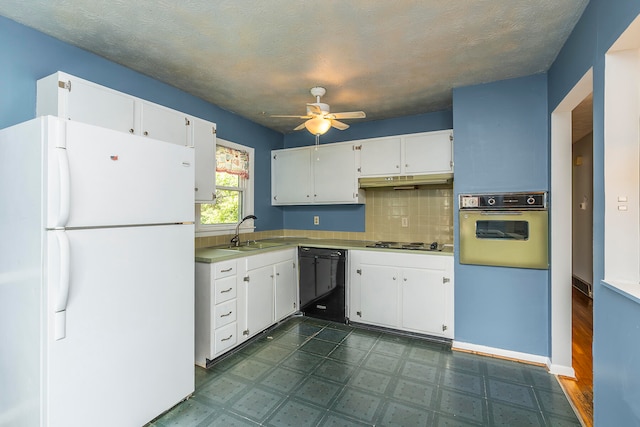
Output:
[[127, 351], [102, 177]]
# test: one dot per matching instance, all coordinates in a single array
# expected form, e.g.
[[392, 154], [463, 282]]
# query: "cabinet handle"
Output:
[[226, 270], [130, 130], [145, 133], [226, 315], [227, 338], [226, 290]]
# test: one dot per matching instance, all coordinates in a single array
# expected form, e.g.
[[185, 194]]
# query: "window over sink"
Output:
[[234, 191]]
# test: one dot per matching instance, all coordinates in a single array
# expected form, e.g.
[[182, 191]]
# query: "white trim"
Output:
[[516, 355], [561, 160]]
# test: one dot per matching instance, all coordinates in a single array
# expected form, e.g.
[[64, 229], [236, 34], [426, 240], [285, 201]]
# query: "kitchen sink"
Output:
[[254, 246]]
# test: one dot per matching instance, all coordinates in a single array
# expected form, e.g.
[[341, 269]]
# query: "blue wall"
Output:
[[501, 144], [616, 330], [28, 55], [352, 217]]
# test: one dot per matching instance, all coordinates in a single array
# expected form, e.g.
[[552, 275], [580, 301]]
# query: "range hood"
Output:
[[406, 181]]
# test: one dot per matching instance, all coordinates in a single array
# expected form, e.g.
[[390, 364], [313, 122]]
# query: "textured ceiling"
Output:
[[260, 57]]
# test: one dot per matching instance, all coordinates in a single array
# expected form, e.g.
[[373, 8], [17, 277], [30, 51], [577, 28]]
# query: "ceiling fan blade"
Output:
[[350, 115], [339, 125], [314, 109], [299, 127], [288, 116]]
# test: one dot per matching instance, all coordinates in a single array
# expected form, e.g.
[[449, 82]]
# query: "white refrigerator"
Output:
[[96, 275]]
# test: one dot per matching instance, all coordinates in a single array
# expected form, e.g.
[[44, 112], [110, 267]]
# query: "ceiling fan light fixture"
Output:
[[318, 125]]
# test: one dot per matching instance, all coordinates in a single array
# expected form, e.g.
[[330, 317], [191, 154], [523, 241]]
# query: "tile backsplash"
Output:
[[428, 211]]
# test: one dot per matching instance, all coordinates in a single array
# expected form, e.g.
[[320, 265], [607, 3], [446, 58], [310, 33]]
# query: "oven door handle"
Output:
[[501, 213]]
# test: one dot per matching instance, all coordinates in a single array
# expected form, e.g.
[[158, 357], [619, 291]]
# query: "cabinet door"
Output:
[[164, 124], [424, 304], [380, 157], [291, 177], [259, 295], [94, 105], [429, 152], [379, 295], [204, 143], [286, 289], [334, 174]]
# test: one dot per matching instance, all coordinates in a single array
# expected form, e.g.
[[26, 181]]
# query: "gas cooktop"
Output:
[[413, 246]]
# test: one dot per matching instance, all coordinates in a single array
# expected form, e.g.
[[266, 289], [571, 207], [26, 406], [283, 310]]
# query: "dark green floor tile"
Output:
[[305, 329], [371, 381], [465, 406], [318, 347], [506, 370], [257, 404], [227, 362], [316, 322], [283, 380], [357, 404], [333, 419], [203, 376], [420, 372], [465, 382], [251, 369], [318, 391], [556, 421], [348, 354], [360, 341], [508, 416], [444, 420], [515, 394], [335, 370], [432, 356], [541, 379], [295, 414], [273, 353], [291, 339], [464, 362], [189, 413], [414, 392], [381, 362], [332, 335], [228, 419], [554, 403], [391, 347], [303, 361], [396, 414], [223, 389], [340, 326]]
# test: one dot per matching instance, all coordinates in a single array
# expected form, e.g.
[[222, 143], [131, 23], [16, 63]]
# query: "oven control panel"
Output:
[[505, 201]]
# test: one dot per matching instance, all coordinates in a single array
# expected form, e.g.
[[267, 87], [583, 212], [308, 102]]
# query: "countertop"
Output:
[[222, 253]]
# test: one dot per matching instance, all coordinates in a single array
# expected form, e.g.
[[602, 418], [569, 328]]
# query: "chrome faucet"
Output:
[[235, 240]]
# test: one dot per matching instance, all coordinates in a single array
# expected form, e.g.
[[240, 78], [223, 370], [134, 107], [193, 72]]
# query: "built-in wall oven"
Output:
[[504, 229]]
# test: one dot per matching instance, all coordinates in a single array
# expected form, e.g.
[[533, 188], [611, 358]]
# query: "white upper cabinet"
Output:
[[430, 152], [335, 177], [306, 175], [380, 157], [204, 144], [412, 154], [291, 177], [163, 123], [73, 98]]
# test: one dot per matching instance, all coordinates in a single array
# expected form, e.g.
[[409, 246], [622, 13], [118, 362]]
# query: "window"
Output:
[[234, 191]]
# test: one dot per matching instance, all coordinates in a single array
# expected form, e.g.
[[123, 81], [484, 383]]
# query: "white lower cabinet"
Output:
[[240, 298], [410, 292]]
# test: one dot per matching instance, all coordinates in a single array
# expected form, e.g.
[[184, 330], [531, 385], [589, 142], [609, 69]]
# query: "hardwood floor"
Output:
[[580, 389]]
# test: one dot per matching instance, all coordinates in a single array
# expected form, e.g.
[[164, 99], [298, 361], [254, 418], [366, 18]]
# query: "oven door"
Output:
[[505, 238]]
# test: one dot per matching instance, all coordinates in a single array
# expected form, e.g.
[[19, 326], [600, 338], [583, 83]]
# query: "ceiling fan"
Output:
[[320, 119]]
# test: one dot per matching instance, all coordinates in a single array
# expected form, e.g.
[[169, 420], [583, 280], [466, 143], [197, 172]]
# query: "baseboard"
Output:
[[562, 370], [502, 353]]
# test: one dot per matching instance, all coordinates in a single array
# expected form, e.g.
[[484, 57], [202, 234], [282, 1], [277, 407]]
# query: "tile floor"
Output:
[[309, 372]]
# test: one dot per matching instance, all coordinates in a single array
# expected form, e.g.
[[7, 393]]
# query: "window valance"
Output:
[[235, 162]]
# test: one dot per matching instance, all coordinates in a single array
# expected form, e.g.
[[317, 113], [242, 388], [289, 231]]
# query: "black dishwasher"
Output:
[[322, 279]]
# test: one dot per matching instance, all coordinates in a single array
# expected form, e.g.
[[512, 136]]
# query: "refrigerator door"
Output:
[[102, 177], [126, 353]]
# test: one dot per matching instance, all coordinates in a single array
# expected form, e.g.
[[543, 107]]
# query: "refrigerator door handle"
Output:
[[62, 297], [65, 187]]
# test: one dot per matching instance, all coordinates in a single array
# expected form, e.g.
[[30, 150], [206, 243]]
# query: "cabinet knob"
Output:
[[394, 278], [146, 133], [405, 279], [130, 130]]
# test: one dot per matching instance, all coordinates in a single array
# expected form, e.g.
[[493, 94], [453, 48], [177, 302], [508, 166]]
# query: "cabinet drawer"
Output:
[[224, 269], [224, 313], [225, 338], [224, 289]]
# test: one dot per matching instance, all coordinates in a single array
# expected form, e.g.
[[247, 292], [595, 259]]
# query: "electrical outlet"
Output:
[[316, 220], [405, 222]]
